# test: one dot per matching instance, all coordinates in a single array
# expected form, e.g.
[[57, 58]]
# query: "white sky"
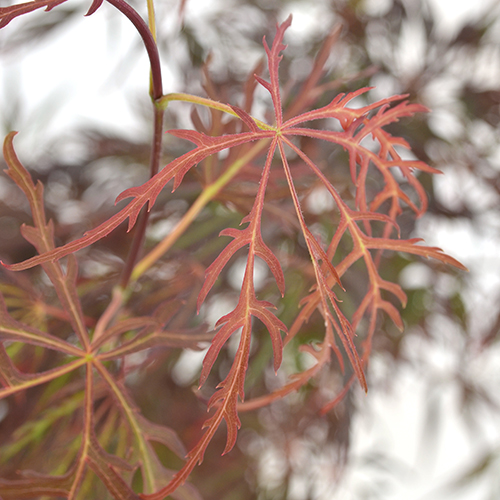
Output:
[[85, 49]]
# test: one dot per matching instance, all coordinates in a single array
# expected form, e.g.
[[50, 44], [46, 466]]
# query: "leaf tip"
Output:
[[95, 5], [11, 135], [288, 21]]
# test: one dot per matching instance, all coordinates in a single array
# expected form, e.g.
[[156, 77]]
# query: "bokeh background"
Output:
[[429, 428]]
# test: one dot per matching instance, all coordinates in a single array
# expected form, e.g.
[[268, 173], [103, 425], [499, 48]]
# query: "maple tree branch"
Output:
[[148, 35], [149, 43], [142, 222]]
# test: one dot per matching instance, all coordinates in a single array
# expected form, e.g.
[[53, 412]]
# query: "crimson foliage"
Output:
[[271, 171]]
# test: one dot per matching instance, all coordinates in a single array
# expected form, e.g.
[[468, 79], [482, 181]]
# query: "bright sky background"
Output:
[[85, 49]]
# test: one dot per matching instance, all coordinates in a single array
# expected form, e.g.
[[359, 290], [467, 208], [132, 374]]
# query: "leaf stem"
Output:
[[208, 193], [142, 222], [149, 41], [42, 378], [209, 103], [108, 315], [148, 35], [131, 415], [152, 28]]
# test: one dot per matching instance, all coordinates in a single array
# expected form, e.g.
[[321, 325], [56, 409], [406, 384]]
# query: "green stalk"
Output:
[[208, 194]]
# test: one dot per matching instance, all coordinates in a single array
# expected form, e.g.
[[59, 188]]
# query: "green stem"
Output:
[[209, 103], [208, 194], [148, 35], [130, 414]]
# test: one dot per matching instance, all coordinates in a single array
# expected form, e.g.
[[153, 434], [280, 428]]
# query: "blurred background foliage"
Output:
[[429, 427]]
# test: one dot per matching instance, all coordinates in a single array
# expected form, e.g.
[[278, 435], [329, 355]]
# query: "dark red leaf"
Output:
[[7, 14]]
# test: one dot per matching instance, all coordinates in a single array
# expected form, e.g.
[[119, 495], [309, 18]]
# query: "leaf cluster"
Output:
[[265, 171]]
